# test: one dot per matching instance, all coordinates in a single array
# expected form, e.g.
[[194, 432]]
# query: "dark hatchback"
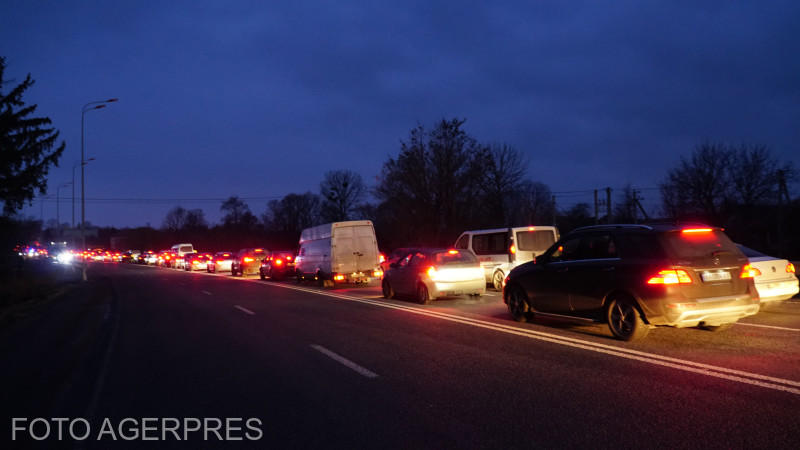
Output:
[[277, 265], [634, 277]]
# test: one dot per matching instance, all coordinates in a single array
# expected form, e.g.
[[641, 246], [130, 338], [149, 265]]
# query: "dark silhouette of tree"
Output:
[[754, 175], [531, 204], [175, 219], [27, 147], [341, 191], [292, 213], [504, 173], [237, 214], [431, 191], [701, 185], [195, 220]]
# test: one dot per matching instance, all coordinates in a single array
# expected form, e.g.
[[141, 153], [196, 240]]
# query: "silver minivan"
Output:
[[501, 249]]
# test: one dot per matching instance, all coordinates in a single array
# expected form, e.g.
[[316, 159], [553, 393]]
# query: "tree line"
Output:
[[441, 182]]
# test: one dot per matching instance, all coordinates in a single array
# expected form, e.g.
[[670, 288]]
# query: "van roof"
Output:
[[527, 228]]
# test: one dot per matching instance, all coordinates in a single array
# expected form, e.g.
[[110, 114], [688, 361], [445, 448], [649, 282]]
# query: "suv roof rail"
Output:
[[614, 226]]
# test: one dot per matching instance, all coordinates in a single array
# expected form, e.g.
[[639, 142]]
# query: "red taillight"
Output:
[[381, 258], [431, 271], [338, 278], [288, 258], [259, 250], [278, 262], [248, 259], [748, 271], [455, 252], [670, 276], [696, 230], [512, 249], [790, 268]]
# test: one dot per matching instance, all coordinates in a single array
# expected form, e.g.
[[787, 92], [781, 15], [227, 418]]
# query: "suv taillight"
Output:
[[748, 271], [670, 276], [789, 268]]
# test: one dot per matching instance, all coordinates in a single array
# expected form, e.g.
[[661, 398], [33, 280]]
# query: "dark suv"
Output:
[[634, 277]]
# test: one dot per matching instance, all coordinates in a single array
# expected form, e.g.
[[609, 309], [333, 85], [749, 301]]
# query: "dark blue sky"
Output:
[[258, 100]]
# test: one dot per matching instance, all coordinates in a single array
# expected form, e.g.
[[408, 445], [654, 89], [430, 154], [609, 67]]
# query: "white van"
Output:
[[501, 249], [182, 249], [339, 252]]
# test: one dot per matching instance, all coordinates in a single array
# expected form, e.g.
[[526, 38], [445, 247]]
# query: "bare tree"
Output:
[[237, 214], [195, 220], [754, 175], [341, 191], [503, 177], [532, 204], [700, 185], [175, 219], [292, 213]]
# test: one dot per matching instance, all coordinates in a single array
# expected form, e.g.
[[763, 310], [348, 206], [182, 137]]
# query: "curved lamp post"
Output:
[[87, 107]]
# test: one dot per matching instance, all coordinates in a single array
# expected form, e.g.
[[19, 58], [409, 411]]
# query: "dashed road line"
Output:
[[345, 362], [244, 310]]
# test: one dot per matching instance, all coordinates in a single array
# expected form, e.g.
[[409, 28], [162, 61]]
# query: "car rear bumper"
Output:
[[777, 290], [446, 289], [706, 311]]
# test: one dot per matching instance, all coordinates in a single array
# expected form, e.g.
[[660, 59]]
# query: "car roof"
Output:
[[655, 227]]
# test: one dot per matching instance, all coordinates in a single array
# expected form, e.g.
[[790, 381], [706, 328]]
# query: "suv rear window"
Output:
[[698, 245], [535, 241], [453, 257]]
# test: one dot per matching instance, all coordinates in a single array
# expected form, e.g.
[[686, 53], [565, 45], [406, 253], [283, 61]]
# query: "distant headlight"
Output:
[[64, 257]]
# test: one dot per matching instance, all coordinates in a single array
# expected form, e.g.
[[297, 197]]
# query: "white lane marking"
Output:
[[206, 292], [767, 326], [775, 383], [345, 362], [245, 310], [780, 384]]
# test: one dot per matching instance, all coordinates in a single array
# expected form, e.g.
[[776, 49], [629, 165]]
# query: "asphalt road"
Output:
[[345, 368]]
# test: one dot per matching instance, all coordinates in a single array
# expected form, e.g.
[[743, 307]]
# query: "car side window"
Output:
[[463, 242], [567, 250], [598, 246], [403, 262], [417, 259]]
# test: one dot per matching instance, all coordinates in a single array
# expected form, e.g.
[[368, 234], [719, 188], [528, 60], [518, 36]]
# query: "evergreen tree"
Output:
[[27, 147]]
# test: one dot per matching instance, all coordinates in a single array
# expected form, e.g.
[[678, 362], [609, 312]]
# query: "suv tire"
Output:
[[624, 320]]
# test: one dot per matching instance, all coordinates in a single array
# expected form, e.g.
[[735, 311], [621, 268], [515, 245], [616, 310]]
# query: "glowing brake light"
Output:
[[455, 252], [278, 262], [748, 271], [259, 250], [696, 230], [288, 258], [790, 268], [338, 277], [513, 249], [431, 271], [671, 276], [248, 259], [381, 258]]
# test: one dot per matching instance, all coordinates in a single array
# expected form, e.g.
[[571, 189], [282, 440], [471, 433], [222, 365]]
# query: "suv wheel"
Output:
[[518, 304], [497, 280], [624, 320]]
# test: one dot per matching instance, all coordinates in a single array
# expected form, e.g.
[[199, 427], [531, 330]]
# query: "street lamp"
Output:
[[58, 206], [74, 166], [87, 107]]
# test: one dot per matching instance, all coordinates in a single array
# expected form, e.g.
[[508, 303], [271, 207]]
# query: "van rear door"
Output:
[[355, 249], [532, 242]]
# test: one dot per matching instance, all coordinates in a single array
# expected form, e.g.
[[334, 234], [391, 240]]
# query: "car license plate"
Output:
[[715, 275]]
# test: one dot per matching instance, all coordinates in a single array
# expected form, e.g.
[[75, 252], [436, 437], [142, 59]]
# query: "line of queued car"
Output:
[[630, 277]]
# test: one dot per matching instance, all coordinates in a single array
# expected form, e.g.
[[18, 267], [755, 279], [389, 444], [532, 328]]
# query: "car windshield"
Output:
[[453, 257]]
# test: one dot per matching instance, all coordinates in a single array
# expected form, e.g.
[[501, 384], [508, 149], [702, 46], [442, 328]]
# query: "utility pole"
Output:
[[608, 205], [595, 207], [554, 209]]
